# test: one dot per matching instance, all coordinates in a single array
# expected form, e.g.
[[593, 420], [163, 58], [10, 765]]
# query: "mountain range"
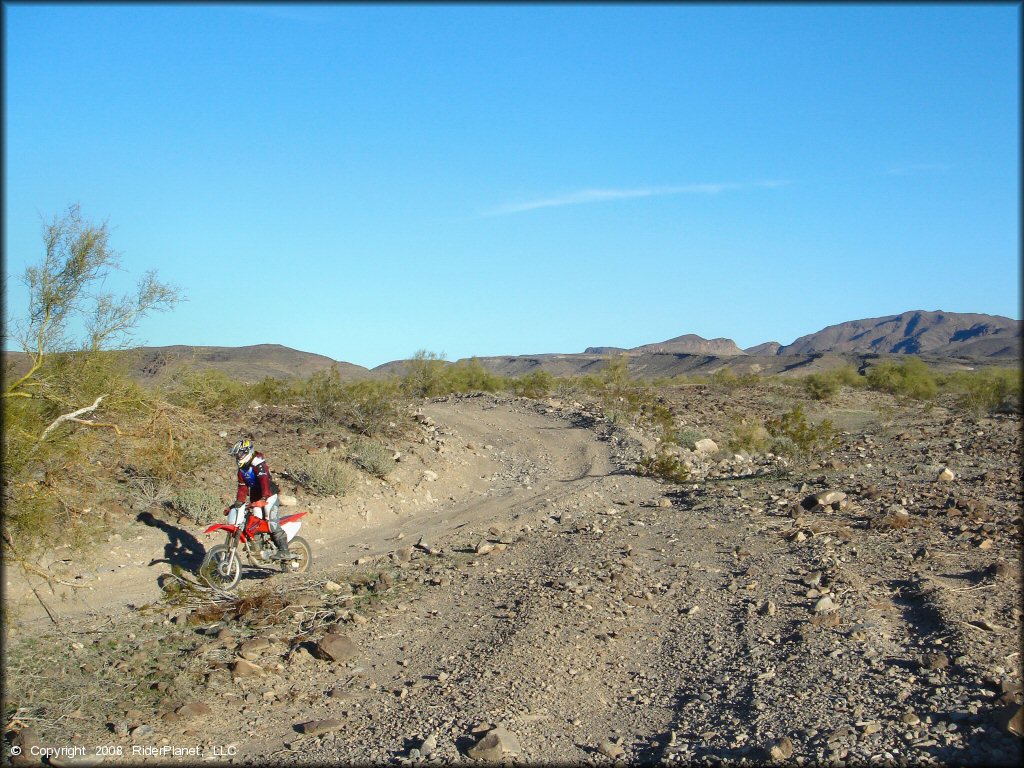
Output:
[[948, 339]]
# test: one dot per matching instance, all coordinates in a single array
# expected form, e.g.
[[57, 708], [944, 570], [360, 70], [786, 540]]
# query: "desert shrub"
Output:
[[821, 386], [985, 391], [664, 466], [536, 384], [322, 475], [826, 384], [371, 407], [145, 488], [910, 378], [372, 457], [207, 390], [471, 376], [688, 438], [424, 375], [320, 396], [568, 387], [197, 504], [274, 391], [748, 437], [793, 433], [725, 378]]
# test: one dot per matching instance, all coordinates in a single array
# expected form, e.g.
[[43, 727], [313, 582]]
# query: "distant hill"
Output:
[[247, 364], [689, 344], [917, 332], [768, 348], [692, 344]]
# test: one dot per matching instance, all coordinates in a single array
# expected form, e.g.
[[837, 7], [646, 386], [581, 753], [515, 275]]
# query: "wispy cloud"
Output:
[[586, 196], [912, 168]]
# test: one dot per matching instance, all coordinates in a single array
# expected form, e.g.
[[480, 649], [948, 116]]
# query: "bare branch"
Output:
[[73, 416]]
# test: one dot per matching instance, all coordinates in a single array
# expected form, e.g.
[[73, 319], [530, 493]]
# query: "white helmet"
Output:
[[243, 451]]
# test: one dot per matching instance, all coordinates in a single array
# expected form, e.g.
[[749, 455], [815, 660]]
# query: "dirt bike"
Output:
[[247, 531]]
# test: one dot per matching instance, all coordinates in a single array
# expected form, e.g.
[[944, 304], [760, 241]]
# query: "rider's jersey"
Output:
[[254, 481]]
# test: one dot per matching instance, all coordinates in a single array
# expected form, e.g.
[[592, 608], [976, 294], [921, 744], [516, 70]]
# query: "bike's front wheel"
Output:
[[299, 547], [221, 567]]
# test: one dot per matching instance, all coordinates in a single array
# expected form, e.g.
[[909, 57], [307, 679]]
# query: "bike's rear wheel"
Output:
[[221, 567], [299, 547]]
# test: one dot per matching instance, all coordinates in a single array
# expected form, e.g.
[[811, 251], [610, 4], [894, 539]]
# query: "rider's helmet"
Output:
[[243, 451]]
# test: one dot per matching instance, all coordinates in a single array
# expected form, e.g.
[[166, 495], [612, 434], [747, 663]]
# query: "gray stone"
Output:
[[781, 749], [611, 749], [193, 709], [243, 668], [935, 660], [828, 498], [705, 445], [495, 744], [253, 649], [484, 547], [320, 727], [336, 647], [429, 745], [824, 605]]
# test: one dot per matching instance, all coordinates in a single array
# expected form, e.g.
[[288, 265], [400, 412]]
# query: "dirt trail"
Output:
[[596, 614], [516, 459]]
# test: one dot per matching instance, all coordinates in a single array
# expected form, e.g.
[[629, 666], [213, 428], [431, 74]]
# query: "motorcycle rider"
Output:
[[254, 481]]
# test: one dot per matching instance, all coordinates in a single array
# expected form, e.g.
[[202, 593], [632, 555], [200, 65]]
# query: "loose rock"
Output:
[[337, 648]]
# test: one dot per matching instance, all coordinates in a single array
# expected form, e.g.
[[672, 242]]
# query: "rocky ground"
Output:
[[516, 592]]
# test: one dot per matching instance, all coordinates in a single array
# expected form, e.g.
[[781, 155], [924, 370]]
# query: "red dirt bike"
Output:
[[248, 531]]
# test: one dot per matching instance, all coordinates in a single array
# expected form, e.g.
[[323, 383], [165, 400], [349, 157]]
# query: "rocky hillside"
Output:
[[916, 332], [688, 344]]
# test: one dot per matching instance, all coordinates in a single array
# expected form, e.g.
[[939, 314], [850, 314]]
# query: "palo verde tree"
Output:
[[69, 335]]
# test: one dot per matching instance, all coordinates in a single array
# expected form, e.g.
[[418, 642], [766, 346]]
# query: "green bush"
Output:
[[197, 504], [688, 438], [793, 433], [274, 391], [372, 407], [424, 375], [726, 378], [320, 474], [207, 390], [986, 390], [821, 386], [536, 384], [664, 466], [471, 376], [320, 397], [910, 378], [372, 457], [747, 437]]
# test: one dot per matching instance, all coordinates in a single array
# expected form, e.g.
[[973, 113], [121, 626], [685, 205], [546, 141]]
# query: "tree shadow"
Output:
[[182, 548]]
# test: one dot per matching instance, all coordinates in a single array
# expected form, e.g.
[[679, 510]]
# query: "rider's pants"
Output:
[[270, 512]]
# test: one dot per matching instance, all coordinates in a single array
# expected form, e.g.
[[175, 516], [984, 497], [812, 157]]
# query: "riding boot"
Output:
[[280, 539]]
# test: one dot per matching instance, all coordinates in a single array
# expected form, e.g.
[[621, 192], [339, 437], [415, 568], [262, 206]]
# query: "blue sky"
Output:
[[364, 181]]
